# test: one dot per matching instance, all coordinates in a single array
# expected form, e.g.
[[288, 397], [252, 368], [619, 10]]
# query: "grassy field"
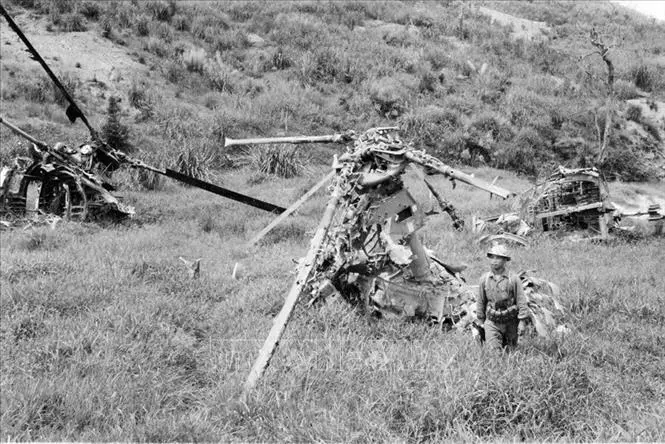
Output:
[[104, 337]]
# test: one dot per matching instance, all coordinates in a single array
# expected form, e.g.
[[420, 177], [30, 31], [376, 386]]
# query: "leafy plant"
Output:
[[114, 132]]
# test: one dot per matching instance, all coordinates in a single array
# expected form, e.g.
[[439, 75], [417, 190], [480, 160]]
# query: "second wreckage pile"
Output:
[[372, 255]]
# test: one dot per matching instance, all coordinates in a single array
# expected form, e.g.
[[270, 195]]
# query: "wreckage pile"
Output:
[[372, 255], [58, 181], [569, 200]]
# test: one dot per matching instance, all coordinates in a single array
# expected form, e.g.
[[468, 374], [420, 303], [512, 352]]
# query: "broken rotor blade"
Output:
[[435, 164], [247, 200], [291, 209], [282, 319]]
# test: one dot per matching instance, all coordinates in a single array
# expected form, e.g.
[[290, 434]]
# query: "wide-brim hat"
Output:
[[499, 250]]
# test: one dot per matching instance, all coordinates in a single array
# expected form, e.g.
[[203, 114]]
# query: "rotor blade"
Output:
[[291, 209], [247, 200], [281, 320], [73, 111]]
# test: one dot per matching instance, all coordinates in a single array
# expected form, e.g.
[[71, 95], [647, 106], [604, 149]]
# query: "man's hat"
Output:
[[499, 250]]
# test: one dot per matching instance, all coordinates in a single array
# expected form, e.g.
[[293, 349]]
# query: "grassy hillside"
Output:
[[457, 83], [103, 335]]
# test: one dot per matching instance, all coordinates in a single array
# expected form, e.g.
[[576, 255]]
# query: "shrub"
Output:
[[106, 28], [625, 163], [430, 125], [652, 129], [521, 154], [437, 57], [89, 10], [634, 113], [142, 25], [181, 22], [492, 124], [226, 40], [194, 59], [389, 96], [281, 59], [428, 81], [162, 31], [643, 77], [71, 22], [281, 160], [38, 90], [625, 90], [298, 30], [140, 99], [114, 132], [322, 65], [157, 47], [162, 11], [194, 160]]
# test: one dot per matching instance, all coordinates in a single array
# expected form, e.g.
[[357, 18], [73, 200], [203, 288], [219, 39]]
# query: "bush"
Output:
[[142, 25], [281, 59], [522, 154], [71, 22], [389, 96], [193, 163], [140, 99], [625, 90], [430, 125], [157, 47], [322, 65], [281, 160], [625, 163], [181, 22], [643, 77], [634, 113], [162, 11], [90, 10], [114, 132], [194, 59]]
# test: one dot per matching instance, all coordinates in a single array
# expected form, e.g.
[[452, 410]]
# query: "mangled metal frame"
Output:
[[569, 200], [70, 182], [367, 248]]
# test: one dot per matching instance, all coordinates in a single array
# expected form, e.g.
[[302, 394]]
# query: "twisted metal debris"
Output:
[[368, 251]]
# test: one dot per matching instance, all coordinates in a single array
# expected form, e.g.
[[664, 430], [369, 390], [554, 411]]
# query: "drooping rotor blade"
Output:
[[282, 318], [112, 157], [291, 209], [247, 200], [73, 111]]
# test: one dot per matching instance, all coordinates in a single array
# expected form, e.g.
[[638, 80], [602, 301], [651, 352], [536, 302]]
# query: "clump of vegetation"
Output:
[[643, 77], [194, 161], [634, 113], [279, 160], [114, 132], [194, 59]]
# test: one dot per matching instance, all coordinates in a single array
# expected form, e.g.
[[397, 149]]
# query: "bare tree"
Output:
[[603, 137]]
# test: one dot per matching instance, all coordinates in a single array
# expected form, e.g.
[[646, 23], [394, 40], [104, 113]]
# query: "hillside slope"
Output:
[[468, 87]]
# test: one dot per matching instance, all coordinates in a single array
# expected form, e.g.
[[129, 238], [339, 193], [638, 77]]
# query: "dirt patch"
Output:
[[522, 28], [88, 56]]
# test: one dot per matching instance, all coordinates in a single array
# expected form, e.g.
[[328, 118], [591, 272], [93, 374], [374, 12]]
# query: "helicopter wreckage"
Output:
[[73, 183], [570, 200], [368, 251]]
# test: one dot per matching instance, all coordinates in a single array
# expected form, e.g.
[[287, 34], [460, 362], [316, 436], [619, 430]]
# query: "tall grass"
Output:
[[105, 337]]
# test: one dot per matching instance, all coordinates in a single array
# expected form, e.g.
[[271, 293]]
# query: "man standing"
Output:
[[500, 303]]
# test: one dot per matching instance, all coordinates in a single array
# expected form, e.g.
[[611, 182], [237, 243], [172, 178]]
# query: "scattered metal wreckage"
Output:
[[74, 183], [569, 200], [367, 248], [59, 181]]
